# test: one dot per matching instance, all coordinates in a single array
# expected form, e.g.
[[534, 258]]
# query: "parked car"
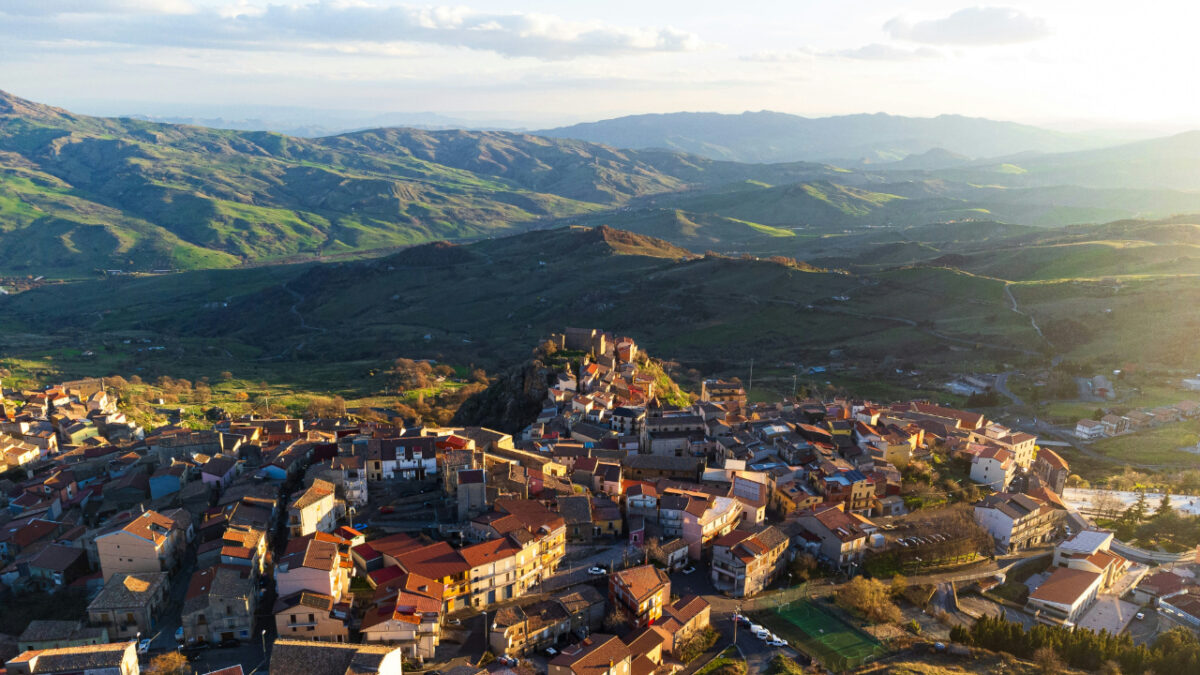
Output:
[[454, 622], [1139, 616], [597, 571], [179, 634], [387, 509], [229, 643], [755, 628], [551, 651], [689, 569], [144, 645], [738, 618], [763, 635], [777, 641], [192, 652]]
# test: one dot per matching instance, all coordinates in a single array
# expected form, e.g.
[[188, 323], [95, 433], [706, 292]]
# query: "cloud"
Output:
[[280, 26], [59, 7], [971, 26], [880, 52], [871, 52]]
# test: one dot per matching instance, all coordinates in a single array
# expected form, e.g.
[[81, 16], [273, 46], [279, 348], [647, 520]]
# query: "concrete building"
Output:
[[993, 467], [289, 657], [643, 591], [219, 605], [316, 509], [312, 616], [840, 536], [1064, 596], [151, 542], [119, 658], [129, 604], [313, 564], [745, 563], [1018, 521], [1089, 430], [598, 654]]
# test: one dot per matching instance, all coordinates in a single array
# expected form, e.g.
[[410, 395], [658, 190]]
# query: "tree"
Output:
[[1110, 667], [1137, 512], [899, 585], [618, 620], [1048, 661], [1164, 507], [869, 597], [168, 663], [1106, 503], [804, 567]]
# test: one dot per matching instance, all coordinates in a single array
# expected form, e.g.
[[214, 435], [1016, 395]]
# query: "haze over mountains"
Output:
[[779, 137]]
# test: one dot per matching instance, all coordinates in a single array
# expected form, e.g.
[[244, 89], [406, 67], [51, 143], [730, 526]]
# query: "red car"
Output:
[[387, 509]]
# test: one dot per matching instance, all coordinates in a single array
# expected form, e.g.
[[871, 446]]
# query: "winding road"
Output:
[[304, 325]]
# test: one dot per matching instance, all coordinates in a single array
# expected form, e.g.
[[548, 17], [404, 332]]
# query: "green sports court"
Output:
[[821, 634]]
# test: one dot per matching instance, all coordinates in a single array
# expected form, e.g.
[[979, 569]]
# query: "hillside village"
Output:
[[616, 533]]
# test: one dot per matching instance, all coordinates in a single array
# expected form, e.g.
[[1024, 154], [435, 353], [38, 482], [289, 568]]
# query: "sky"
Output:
[[1069, 64]]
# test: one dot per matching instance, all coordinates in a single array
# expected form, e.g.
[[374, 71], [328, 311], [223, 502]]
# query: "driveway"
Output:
[[1109, 613]]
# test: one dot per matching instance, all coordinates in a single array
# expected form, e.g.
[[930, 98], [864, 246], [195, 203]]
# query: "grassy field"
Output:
[[1159, 445]]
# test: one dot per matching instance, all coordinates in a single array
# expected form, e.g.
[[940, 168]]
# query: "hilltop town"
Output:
[[627, 528]]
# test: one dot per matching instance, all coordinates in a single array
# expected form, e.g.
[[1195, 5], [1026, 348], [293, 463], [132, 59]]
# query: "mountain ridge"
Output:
[[768, 136]]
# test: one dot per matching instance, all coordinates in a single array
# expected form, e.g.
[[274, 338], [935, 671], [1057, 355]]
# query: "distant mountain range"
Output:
[[779, 137], [80, 194]]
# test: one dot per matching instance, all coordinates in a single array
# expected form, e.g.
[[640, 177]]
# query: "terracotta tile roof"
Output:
[[396, 544], [686, 608], [151, 526], [1065, 586], [642, 581], [84, 658], [1163, 583], [1052, 458], [646, 639], [597, 652], [489, 552], [435, 561]]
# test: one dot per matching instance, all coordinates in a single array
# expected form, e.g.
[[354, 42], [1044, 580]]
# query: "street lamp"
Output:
[[737, 612]]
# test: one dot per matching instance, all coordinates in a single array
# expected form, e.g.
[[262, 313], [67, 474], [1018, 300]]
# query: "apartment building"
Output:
[[313, 564], [312, 616], [129, 604], [219, 605], [744, 563], [840, 536], [706, 518], [598, 654], [643, 591], [151, 542], [1018, 521], [406, 612], [316, 509]]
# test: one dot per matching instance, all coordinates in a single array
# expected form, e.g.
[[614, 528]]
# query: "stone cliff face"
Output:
[[512, 402]]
